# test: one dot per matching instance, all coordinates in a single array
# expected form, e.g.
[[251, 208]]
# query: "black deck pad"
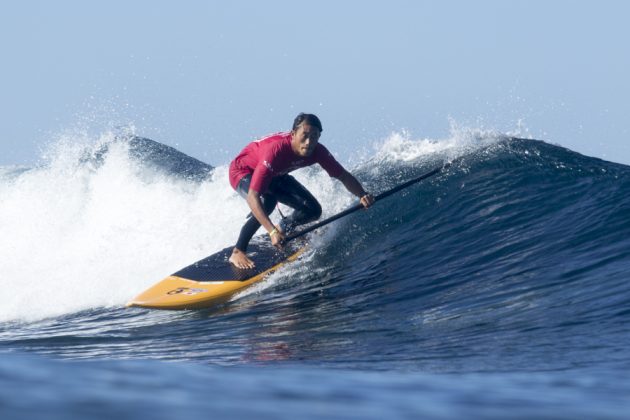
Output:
[[216, 267]]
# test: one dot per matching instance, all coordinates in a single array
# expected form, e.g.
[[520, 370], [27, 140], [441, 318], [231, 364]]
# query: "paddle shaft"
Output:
[[360, 206]]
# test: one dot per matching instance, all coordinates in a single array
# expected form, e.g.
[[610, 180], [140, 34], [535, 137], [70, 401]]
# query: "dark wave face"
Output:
[[515, 259]]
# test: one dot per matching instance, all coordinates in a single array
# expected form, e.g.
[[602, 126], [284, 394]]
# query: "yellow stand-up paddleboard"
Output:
[[214, 280]]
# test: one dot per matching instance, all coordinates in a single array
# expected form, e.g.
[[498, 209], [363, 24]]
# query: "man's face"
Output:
[[304, 139]]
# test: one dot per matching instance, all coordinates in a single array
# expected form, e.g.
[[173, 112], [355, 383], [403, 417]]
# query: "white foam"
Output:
[[401, 147]]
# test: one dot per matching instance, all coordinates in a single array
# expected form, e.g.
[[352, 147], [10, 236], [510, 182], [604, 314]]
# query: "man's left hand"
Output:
[[367, 200]]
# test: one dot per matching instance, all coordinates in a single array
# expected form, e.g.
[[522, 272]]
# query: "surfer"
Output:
[[260, 175]]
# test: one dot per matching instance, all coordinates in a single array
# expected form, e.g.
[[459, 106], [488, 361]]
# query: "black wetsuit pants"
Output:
[[286, 190]]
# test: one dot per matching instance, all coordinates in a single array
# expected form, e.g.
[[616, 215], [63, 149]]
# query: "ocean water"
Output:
[[496, 289]]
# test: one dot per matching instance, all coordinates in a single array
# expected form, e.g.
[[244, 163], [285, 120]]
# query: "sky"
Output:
[[209, 76]]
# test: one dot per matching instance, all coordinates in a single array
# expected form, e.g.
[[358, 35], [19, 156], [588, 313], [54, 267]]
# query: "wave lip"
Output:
[[160, 157]]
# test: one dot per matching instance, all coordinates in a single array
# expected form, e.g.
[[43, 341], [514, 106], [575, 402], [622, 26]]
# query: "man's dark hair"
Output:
[[311, 119]]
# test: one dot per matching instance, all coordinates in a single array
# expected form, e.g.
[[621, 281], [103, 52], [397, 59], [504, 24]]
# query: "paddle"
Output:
[[360, 206]]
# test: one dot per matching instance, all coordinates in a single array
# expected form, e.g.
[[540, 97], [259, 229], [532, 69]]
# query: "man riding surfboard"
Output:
[[260, 174]]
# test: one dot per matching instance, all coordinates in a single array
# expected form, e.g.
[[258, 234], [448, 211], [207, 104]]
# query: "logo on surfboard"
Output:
[[185, 291]]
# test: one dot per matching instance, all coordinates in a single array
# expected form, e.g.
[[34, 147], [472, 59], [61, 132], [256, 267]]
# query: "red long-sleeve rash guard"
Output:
[[273, 156]]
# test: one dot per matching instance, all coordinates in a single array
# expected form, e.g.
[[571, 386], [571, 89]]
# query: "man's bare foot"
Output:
[[240, 260]]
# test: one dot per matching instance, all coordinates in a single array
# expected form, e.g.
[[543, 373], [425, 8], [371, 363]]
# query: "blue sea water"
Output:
[[496, 289]]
